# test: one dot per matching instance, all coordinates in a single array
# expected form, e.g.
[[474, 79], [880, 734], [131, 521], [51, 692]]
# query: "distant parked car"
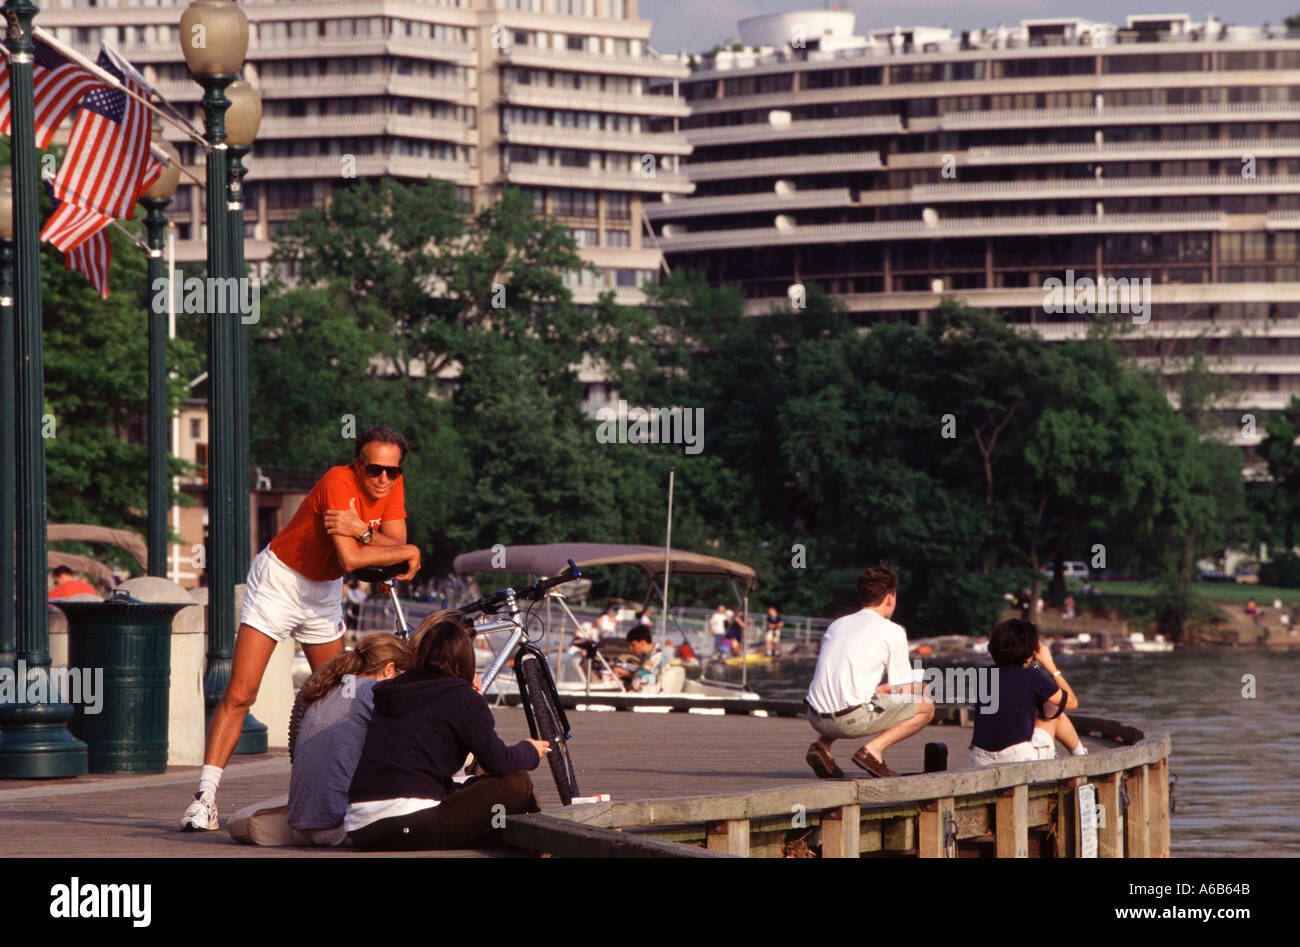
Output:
[[1070, 570]]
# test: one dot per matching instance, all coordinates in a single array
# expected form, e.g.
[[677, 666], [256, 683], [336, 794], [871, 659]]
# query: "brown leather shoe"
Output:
[[872, 765], [822, 763]]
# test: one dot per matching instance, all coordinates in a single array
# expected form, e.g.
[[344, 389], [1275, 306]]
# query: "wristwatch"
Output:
[[368, 535]]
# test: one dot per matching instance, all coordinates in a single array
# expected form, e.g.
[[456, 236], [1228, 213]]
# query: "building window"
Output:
[[196, 429], [584, 236], [618, 238], [618, 207]]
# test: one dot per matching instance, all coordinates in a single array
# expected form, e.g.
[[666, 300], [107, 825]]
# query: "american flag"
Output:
[[94, 254], [92, 257], [108, 162], [58, 84]]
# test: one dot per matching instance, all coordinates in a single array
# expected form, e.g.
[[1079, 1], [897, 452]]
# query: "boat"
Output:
[[1138, 642], [598, 688]]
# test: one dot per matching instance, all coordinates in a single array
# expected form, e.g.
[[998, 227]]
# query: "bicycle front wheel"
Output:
[[544, 720]]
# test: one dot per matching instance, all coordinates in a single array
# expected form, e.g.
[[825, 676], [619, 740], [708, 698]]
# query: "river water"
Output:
[[1236, 757]]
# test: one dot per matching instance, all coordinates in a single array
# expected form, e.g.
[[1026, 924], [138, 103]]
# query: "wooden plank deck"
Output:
[[631, 756]]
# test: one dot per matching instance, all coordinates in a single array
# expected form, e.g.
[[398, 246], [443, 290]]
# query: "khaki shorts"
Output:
[[884, 711]]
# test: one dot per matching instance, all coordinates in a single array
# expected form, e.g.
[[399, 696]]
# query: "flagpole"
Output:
[[34, 742]]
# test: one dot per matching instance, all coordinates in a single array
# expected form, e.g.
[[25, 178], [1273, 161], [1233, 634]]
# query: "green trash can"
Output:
[[127, 645]]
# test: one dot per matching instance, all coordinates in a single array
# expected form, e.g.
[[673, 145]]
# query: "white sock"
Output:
[[1079, 750], [209, 780]]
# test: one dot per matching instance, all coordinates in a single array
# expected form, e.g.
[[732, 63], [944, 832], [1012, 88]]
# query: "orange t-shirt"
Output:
[[69, 587], [306, 548]]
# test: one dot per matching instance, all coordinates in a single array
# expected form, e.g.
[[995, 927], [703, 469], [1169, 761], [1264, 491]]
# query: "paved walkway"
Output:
[[629, 755]]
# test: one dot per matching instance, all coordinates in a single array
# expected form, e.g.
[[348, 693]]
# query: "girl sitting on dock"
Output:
[[402, 796], [1028, 715], [339, 702]]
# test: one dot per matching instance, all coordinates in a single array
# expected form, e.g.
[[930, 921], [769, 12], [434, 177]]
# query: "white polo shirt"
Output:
[[858, 652]]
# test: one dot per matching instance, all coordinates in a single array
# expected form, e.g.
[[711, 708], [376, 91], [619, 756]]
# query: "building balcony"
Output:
[[338, 47], [1099, 187], [1227, 364], [768, 201], [574, 61], [953, 227], [369, 84], [537, 175], [1031, 298], [783, 165], [334, 126], [1132, 150], [1282, 220], [554, 97], [765, 131], [362, 166], [1159, 328], [548, 136], [1120, 115]]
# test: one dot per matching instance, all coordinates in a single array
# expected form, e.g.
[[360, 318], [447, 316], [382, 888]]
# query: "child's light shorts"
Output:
[[1039, 747]]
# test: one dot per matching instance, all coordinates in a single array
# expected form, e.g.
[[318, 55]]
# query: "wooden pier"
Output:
[[687, 786]]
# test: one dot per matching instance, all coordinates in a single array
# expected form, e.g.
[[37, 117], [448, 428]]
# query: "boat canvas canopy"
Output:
[[552, 558]]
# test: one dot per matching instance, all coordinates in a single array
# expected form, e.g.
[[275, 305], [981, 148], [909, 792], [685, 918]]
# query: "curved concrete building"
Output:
[[1013, 169]]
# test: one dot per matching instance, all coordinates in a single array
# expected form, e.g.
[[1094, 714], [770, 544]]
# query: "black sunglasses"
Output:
[[374, 470]]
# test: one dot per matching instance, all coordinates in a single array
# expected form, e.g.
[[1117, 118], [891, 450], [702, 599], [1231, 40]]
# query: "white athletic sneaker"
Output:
[[201, 816]]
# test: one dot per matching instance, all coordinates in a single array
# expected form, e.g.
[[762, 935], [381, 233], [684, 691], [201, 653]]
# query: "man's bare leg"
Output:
[[252, 652], [901, 731], [318, 654]]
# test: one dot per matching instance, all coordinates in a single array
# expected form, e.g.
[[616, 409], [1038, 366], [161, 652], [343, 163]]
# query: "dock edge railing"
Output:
[[929, 815]]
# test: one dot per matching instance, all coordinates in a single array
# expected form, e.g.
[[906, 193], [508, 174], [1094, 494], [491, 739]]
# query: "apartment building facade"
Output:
[[550, 96], [1007, 168]]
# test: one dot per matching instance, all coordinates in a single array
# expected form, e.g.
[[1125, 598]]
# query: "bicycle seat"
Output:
[[379, 573]]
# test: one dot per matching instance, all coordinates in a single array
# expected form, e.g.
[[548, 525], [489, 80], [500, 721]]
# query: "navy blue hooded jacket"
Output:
[[421, 731]]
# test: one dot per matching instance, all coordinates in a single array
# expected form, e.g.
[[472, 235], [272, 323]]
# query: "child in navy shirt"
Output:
[[1029, 715]]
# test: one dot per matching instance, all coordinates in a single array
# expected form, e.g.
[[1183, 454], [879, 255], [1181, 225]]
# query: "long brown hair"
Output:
[[432, 620], [446, 649], [372, 653]]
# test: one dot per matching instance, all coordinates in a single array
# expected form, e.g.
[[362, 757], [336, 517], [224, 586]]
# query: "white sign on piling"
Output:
[[1087, 794]]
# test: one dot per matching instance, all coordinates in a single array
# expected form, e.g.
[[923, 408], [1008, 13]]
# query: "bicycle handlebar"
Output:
[[529, 593]]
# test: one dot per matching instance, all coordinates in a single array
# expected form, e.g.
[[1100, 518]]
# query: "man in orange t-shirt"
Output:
[[67, 583], [355, 516]]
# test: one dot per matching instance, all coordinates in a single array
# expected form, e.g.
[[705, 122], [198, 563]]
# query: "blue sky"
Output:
[[696, 25]]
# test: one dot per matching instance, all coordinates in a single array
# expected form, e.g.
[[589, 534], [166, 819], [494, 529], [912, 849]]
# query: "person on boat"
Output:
[[863, 687], [339, 699], [1029, 714], [355, 516], [718, 626], [772, 637], [607, 623], [402, 796], [647, 678], [736, 632]]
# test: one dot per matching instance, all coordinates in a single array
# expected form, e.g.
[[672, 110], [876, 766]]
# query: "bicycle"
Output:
[[542, 708], [546, 717]]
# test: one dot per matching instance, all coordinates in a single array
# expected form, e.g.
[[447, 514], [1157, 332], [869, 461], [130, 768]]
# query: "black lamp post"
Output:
[[34, 740], [7, 639], [214, 39], [242, 120], [155, 201]]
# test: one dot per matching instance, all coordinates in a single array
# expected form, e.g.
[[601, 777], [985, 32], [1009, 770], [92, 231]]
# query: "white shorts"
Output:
[[1040, 746], [280, 603]]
